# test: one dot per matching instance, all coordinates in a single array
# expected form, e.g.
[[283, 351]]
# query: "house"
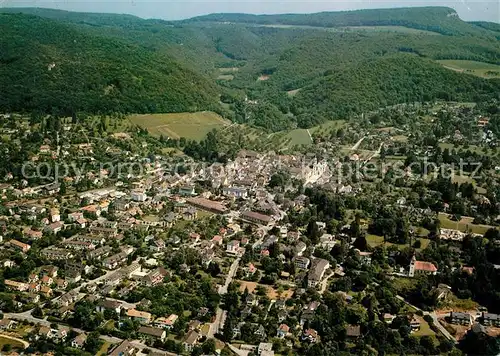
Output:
[[299, 249], [6, 324], [100, 252], [283, 331], [155, 333], [155, 277], [55, 216], [353, 331], [142, 317], [79, 341], [208, 205], [421, 267], [138, 195], [250, 270], [157, 245], [388, 318], [233, 246], [252, 300], [20, 246], [260, 331], [166, 323], [124, 349], [217, 240], [489, 319], [68, 298], [54, 228], [114, 261], [318, 268], [234, 192], [301, 262], [414, 324], [191, 340], [107, 304], [265, 348], [53, 253], [46, 291], [460, 318], [310, 335], [186, 190], [257, 218], [19, 286]]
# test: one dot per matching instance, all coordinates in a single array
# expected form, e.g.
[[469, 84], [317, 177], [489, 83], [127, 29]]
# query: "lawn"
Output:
[[104, 349], [425, 329], [463, 225], [479, 69], [374, 241], [193, 126], [299, 137]]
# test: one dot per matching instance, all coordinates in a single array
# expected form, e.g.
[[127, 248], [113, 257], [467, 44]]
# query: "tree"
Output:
[[93, 343], [208, 347], [38, 312], [313, 232]]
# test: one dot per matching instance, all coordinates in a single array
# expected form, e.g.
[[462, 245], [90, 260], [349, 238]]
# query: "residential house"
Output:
[[155, 277], [191, 340], [53, 253], [142, 317], [155, 333], [7, 324], [310, 335], [111, 305], [233, 246], [353, 331], [282, 331], [318, 268], [18, 286], [79, 341], [489, 319], [265, 349], [256, 217], [208, 205], [166, 323], [20, 246], [301, 262], [124, 349], [114, 261], [461, 318]]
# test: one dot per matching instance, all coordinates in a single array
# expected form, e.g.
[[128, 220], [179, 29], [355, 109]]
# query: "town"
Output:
[[266, 252]]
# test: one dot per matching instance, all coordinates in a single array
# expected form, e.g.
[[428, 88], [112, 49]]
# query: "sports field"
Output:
[[479, 69], [193, 126]]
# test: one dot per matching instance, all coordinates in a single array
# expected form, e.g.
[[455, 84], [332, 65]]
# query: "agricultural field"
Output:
[[464, 225], [374, 241], [303, 137], [479, 69], [193, 126]]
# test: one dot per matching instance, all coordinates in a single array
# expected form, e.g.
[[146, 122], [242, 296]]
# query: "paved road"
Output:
[[357, 144], [220, 315], [324, 283]]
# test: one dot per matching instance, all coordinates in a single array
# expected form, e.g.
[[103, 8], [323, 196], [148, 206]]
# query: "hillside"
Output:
[[335, 64], [49, 66], [437, 19]]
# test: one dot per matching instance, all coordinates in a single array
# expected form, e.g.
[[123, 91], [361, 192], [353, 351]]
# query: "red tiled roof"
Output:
[[425, 266]]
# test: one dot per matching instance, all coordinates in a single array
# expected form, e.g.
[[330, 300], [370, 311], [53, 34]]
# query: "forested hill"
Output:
[[275, 77], [442, 20], [50, 66]]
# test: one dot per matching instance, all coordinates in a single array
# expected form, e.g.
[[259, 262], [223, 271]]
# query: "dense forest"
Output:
[[51, 67], [334, 69], [442, 20]]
